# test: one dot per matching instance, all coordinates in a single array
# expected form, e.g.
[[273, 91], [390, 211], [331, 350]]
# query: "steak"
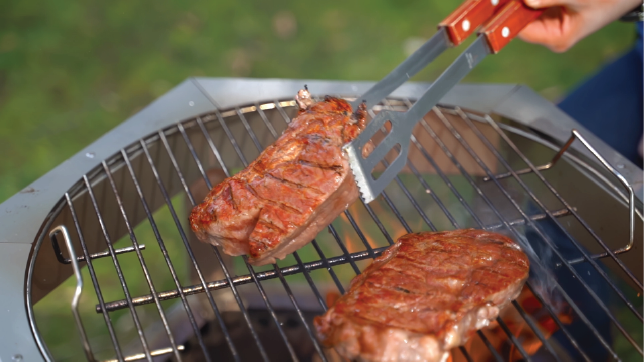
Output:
[[293, 190], [424, 295]]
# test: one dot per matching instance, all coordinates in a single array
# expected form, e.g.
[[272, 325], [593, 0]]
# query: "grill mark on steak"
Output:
[[271, 225], [300, 184], [282, 205], [335, 168], [250, 189], [232, 198], [424, 295]]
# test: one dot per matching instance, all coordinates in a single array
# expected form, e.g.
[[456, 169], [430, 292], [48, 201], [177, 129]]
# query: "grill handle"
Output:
[[623, 181], [575, 135], [79, 285], [61, 259]]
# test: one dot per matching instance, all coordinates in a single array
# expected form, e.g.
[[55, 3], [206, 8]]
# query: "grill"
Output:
[[113, 272]]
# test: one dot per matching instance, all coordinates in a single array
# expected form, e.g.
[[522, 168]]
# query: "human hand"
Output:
[[565, 22]]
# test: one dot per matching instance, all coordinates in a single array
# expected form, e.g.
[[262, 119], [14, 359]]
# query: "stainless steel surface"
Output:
[[153, 137], [79, 287], [102, 254], [631, 195], [155, 353], [402, 125]]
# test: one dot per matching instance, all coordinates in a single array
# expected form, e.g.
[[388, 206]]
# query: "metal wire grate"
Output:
[[454, 179]]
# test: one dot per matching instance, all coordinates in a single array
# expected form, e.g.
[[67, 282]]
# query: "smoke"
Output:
[[542, 277], [544, 271]]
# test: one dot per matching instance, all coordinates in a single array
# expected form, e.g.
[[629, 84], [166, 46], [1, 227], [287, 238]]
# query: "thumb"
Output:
[[539, 4]]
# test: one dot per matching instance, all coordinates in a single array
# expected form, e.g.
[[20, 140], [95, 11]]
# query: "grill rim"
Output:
[[150, 118], [179, 126]]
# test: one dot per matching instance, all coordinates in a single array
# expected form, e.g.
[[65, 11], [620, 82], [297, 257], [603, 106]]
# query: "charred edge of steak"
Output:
[[303, 99], [360, 114]]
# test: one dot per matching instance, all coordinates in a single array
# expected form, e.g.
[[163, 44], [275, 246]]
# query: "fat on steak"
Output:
[[426, 294], [293, 190]]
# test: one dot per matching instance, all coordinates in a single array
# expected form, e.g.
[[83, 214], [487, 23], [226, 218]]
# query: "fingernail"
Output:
[[532, 3]]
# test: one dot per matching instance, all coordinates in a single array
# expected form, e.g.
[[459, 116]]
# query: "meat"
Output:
[[424, 295], [294, 189]]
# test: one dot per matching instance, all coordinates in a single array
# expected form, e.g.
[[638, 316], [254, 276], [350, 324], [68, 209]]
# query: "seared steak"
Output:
[[293, 190], [424, 295]]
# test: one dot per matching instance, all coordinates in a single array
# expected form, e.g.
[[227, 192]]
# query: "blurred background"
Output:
[[72, 70]]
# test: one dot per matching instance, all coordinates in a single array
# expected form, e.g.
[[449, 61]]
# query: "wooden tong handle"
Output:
[[469, 16], [507, 23]]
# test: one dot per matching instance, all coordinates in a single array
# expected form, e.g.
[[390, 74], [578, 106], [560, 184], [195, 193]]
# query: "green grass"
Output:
[[71, 71]]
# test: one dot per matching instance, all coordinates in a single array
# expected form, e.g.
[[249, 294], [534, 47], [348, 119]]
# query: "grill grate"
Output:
[[452, 132]]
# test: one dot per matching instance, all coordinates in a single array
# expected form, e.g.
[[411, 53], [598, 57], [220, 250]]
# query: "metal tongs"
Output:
[[501, 21]]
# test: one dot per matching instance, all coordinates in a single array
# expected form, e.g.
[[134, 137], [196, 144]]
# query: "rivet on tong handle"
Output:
[[463, 21], [508, 23]]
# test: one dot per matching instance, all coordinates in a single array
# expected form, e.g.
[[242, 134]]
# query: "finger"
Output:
[[554, 29], [539, 4], [536, 33], [548, 26]]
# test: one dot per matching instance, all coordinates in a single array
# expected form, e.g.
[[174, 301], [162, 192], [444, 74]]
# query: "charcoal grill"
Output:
[[97, 260]]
